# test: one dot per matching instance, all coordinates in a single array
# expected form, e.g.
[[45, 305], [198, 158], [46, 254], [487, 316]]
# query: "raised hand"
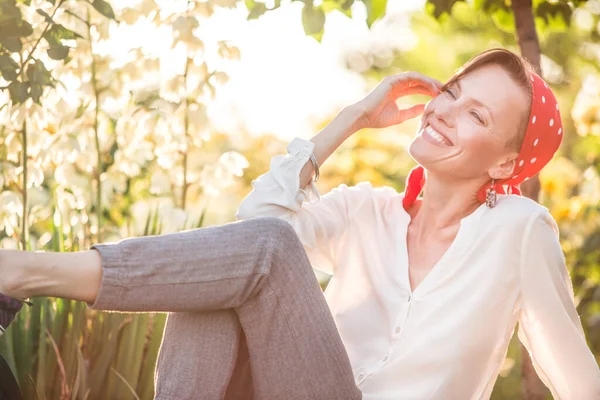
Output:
[[379, 109]]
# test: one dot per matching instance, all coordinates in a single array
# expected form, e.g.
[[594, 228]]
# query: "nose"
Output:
[[445, 112]]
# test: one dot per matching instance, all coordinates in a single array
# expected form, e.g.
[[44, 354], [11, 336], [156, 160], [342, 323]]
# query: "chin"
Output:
[[420, 151], [430, 156]]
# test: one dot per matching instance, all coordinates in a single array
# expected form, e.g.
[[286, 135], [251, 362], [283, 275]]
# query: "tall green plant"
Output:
[[60, 349]]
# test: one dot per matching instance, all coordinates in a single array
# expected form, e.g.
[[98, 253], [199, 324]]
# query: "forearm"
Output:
[[329, 139]]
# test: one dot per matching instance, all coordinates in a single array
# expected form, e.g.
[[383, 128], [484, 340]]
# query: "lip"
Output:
[[440, 131]]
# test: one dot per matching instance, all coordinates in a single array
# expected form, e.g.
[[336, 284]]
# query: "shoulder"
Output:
[[531, 222], [518, 206], [519, 211], [518, 220]]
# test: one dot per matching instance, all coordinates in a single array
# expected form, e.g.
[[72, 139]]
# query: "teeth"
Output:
[[436, 136]]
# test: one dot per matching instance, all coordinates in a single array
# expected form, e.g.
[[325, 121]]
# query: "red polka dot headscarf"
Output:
[[542, 139]]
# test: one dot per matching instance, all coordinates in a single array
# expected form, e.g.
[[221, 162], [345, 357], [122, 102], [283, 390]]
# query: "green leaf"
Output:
[[257, 10], [24, 29], [46, 16], [375, 10], [18, 91], [36, 92], [441, 7], [557, 15], [37, 73], [8, 68], [58, 52], [313, 20], [104, 8], [57, 33], [504, 20], [11, 43], [10, 11], [334, 5]]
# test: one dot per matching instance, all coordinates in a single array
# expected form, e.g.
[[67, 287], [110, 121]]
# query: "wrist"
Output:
[[351, 119]]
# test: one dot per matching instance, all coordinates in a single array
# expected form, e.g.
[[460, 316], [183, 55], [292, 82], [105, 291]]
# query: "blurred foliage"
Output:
[[550, 11], [313, 16]]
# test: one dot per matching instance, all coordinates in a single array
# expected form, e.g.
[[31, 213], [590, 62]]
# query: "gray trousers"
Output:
[[247, 319]]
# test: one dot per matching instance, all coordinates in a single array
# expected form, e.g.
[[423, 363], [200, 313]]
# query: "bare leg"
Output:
[[257, 268], [75, 276]]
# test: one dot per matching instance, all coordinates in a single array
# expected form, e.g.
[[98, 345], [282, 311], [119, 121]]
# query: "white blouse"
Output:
[[449, 337]]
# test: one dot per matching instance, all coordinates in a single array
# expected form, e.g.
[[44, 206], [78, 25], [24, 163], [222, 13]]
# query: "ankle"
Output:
[[14, 273]]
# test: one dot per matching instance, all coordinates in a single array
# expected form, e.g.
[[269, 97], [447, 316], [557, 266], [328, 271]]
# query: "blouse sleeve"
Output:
[[549, 325], [320, 222]]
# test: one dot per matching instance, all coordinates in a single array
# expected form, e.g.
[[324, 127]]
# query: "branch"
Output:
[[30, 55]]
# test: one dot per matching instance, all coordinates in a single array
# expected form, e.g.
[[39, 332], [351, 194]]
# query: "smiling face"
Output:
[[468, 131]]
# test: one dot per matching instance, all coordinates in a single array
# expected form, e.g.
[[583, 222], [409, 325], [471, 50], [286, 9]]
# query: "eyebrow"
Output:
[[478, 102]]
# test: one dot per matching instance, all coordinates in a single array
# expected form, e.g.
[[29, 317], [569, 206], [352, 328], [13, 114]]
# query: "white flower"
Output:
[[234, 162], [160, 183], [183, 28], [13, 147], [221, 77], [35, 176], [229, 52]]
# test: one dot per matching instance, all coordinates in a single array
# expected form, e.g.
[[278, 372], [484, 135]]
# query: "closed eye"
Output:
[[477, 117], [449, 91]]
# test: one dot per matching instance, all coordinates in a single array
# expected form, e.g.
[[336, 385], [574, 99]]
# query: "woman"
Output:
[[426, 291]]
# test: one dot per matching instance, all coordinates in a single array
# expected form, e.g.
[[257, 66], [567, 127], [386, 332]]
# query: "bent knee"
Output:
[[278, 233]]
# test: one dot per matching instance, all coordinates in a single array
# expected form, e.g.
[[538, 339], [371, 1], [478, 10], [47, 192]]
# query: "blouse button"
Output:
[[397, 330], [385, 358], [360, 377]]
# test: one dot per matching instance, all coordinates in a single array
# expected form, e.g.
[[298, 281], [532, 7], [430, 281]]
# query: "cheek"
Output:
[[477, 143]]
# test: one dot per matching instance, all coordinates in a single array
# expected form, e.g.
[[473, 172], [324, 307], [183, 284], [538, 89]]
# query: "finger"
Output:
[[409, 79], [424, 79], [411, 112], [418, 89], [424, 90]]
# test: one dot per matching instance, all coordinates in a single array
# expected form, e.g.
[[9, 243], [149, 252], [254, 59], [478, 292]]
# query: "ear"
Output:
[[505, 168]]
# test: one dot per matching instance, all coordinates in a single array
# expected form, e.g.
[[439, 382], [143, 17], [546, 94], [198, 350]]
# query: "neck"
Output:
[[446, 203]]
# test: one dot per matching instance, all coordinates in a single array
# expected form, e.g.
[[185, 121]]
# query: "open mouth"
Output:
[[436, 136]]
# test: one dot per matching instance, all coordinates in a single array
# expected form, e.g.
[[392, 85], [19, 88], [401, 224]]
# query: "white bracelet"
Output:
[[313, 160]]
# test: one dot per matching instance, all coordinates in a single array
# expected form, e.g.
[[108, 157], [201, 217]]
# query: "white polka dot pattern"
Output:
[[539, 145], [542, 139]]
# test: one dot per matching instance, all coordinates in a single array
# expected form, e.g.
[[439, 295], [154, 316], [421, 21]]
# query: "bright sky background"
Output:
[[286, 82]]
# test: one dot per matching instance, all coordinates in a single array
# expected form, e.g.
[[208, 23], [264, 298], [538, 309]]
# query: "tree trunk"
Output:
[[532, 387]]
